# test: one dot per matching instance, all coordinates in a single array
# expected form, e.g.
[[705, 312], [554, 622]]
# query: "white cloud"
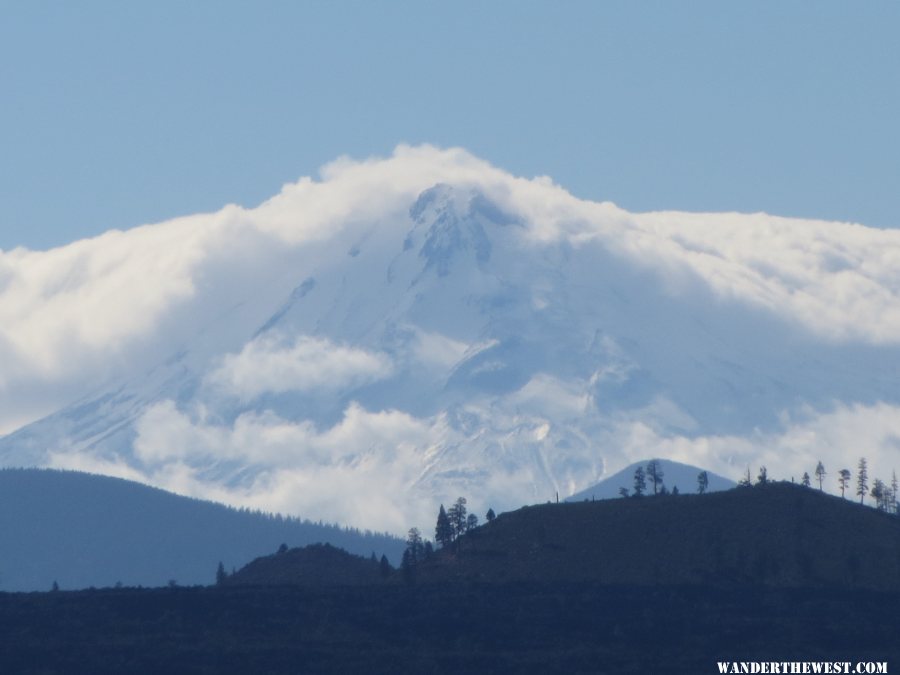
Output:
[[840, 280], [339, 473], [77, 461], [112, 307], [352, 191], [437, 350], [276, 364], [838, 438], [387, 470], [547, 395], [131, 296], [72, 315], [371, 469]]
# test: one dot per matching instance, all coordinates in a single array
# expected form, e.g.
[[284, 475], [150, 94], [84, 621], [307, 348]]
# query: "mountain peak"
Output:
[[453, 221], [300, 357]]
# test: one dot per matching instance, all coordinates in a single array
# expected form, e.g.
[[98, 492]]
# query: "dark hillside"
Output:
[[779, 535], [313, 565], [658, 584], [83, 530], [438, 628]]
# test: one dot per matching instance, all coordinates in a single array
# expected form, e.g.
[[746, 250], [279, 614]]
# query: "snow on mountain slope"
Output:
[[673, 474], [407, 330]]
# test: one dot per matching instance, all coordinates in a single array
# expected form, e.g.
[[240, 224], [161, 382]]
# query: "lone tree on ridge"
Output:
[[862, 479], [820, 474], [655, 474], [640, 482], [843, 480], [702, 482]]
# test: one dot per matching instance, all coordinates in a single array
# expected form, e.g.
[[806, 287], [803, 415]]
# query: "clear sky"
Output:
[[115, 114]]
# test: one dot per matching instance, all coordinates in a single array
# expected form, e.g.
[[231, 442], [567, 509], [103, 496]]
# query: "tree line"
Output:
[[454, 522], [885, 494], [451, 524], [653, 476]]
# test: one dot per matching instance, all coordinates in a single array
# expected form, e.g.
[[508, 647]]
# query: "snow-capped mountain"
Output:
[[404, 331], [673, 475]]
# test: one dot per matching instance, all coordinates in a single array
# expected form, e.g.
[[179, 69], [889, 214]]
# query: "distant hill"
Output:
[[314, 565], [84, 530], [777, 535], [675, 474], [780, 535], [667, 584]]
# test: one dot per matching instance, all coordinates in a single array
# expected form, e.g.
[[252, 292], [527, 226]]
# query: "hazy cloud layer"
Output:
[[107, 309], [358, 471], [838, 438], [276, 364], [354, 471], [66, 311]]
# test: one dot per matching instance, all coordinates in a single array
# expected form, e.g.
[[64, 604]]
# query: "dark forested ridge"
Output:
[[778, 535], [315, 565], [82, 530], [666, 584]]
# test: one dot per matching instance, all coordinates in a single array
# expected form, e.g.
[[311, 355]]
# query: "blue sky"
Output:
[[116, 114]]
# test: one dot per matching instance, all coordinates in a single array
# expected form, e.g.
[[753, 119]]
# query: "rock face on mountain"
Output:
[[403, 332]]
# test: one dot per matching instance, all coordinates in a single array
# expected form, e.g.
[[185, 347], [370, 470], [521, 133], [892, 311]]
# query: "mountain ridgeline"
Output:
[[777, 535], [80, 530], [524, 342], [672, 475], [661, 584]]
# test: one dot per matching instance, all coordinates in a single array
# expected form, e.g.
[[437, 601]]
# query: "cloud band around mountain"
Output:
[[188, 298]]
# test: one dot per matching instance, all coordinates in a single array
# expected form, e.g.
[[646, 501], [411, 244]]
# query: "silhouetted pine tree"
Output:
[[878, 493], [805, 481], [862, 479], [843, 479], [655, 474], [763, 476], [894, 492], [640, 482], [414, 545], [490, 515], [384, 566], [457, 516], [471, 522], [221, 574], [443, 531], [820, 474], [702, 482]]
